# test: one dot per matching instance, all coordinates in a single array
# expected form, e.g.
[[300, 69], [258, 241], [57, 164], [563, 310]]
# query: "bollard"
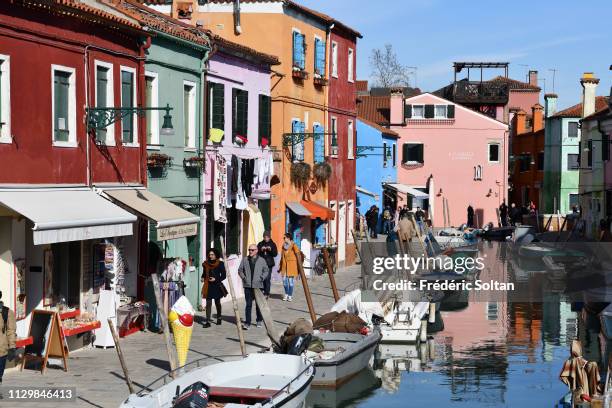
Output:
[[432, 312], [432, 349], [423, 333], [423, 353]]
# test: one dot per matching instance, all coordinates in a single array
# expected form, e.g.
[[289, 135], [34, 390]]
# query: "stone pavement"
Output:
[[97, 375]]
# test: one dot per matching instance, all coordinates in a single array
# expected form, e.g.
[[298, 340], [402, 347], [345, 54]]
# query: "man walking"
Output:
[[503, 213], [268, 251], [253, 271], [7, 336], [419, 217], [387, 220]]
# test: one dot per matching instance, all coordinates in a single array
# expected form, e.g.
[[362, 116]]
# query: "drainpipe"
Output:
[[237, 27], [203, 132], [141, 83], [87, 135]]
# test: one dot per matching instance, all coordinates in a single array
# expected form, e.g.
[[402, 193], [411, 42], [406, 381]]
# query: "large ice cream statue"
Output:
[[181, 321]]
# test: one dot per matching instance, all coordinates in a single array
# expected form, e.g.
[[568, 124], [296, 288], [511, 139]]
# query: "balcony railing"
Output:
[[481, 92]]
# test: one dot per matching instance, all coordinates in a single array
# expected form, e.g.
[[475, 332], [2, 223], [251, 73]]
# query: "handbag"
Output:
[[223, 290]]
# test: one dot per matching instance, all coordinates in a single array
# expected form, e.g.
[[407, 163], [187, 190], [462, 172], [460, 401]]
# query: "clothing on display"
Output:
[[220, 194], [256, 225]]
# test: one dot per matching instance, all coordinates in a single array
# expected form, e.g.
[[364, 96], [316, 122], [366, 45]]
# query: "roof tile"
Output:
[[601, 103], [375, 109]]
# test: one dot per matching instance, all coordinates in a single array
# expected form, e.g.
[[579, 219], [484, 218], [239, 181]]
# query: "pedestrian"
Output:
[[372, 220], [470, 216], [213, 290], [290, 256], [253, 271], [7, 336], [516, 214], [362, 226], [419, 217], [503, 213], [405, 229], [532, 208], [387, 220], [268, 251]]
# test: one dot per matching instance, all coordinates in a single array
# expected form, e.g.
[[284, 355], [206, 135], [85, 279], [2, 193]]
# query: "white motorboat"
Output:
[[344, 355], [404, 324], [262, 380]]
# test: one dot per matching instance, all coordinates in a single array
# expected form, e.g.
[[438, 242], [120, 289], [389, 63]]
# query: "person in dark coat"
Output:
[[516, 214], [213, 289], [372, 220], [268, 251], [503, 213], [470, 216], [253, 271]]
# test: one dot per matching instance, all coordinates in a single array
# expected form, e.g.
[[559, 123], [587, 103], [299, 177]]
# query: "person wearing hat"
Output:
[[268, 251], [7, 336]]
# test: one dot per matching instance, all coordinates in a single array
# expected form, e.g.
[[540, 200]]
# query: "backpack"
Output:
[[5, 311]]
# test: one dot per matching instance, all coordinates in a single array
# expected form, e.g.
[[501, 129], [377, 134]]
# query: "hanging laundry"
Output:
[[241, 198], [220, 189], [247, 171], [235, 168], [230, 195], [256, 225]]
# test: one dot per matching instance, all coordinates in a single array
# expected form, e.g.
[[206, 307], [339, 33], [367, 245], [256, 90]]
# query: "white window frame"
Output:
[[418, 117], [350, 220], [334, 59], [192, 115], [412, 162], [155, 114], [72, 136], [333, 226], [110, 97], [350, 139], [489, 144], [135, 142], [5, 114], [351, 65], [436, 113]]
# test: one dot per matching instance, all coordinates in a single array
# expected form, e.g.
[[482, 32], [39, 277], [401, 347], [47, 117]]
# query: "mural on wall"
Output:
[[48, 278], [20, 288]]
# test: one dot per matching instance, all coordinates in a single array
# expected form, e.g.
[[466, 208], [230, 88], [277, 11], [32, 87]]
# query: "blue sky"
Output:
[[567, 35]]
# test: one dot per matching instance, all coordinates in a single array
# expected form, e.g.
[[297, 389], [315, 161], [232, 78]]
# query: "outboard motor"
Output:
[[194, 396], [299, 344]]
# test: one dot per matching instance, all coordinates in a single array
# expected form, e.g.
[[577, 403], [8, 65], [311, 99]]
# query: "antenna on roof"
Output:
[[527, 71], [554, 71], [543, 80]]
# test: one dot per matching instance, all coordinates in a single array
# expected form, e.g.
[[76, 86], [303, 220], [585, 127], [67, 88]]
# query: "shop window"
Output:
[[64, 106], [240, 113], [233, 231], [128, 100], [5, 99], [189, 114], [265, 120], [66, 274]]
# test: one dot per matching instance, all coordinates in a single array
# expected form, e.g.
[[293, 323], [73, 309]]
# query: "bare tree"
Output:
[[387, 71]]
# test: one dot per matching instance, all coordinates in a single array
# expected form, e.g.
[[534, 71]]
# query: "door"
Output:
[[341, 231]]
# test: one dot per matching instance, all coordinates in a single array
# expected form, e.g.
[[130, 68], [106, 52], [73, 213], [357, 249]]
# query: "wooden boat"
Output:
[[343, 357], [356, 389], [265, 380]]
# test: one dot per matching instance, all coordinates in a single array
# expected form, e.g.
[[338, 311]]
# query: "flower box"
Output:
[[158, 160], [193, 162], [299, 73], [320, 81]]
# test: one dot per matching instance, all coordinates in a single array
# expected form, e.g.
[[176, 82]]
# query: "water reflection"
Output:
[[490, 353]]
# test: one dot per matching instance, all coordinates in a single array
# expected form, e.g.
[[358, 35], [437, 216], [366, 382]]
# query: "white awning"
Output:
[[366, 192], [67, 214], [403, 188], [171, 220], [298, 208]]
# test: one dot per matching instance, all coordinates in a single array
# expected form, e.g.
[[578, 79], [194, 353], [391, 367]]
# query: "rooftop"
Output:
[[381, 129], [375, 109], [515, 85], [601, 103]]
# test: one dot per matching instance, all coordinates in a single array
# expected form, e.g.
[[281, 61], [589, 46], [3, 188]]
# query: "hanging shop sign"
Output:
[[177, 231]]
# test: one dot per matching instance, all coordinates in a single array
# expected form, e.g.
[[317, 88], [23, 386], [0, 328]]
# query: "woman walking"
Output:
[[213, 289], [290, 255]]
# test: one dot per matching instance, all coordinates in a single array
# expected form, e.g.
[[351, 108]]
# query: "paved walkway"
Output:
[[97, 374]]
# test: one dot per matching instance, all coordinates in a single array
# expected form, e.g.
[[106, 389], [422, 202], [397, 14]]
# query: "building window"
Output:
[[64, 106], [573, 162], [319, 58], [540, 161], [440, 112], [524, 162], [493, 152], [104, 99], [418, 111], [478, 173], [5, 99], [128, 100], [318, 143], [351, 64], [216, 110], [574, 200], [589, 153], [350, 209], [384, 154], [394, 155], [297, 147], [189, 114], [334, 132], [334, 59], [572, 129], [350, 137], [265, 120], [299, 51], [413, 153], [152, 100], [240, 112]]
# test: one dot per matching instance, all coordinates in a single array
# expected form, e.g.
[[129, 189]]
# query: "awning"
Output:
[[298, 208], [318, 210], [171, 221], [68, 214], [403, 188], [367, 192]]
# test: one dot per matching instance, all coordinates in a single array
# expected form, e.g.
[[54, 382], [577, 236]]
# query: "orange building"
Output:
[[301, 131]]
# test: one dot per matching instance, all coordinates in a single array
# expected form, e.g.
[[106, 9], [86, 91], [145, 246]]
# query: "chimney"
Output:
[[589, 85], [550, 104], [533, 78], [397, 106], [537, 117], [521, 122]]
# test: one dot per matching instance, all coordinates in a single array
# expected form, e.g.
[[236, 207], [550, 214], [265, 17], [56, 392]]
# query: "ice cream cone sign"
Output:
[[181, 321]]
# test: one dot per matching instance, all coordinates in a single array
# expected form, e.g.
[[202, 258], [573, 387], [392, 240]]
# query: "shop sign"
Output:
[[178, 231]]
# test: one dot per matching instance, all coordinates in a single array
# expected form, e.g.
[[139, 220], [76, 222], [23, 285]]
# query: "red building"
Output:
[[342, 124]]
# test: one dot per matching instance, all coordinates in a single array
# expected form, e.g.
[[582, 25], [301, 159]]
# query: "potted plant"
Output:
[[240, 140], [192, 162], [157, 160], [322, 172], [300, 174]]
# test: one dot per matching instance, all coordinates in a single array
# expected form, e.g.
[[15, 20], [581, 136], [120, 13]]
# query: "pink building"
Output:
[[450, 152]]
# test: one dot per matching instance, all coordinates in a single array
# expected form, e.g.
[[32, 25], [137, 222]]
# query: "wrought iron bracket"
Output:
[[292, 139], [362, 149], [101, 118]]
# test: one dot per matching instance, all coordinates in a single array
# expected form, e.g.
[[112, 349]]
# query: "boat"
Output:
[[264, 380], [450, 238], [358, 388], [344, 355], [404, 323], [497, 233]]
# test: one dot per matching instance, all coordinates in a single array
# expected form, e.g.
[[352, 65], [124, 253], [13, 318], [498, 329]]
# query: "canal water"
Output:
[[490, 354]]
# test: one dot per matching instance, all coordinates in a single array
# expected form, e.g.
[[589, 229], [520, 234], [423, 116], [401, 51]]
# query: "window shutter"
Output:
[[407, 111], [605, 147], [295, 48], [450, 111], [419, 150], [405, 152], [319, 144], [429, 111], [579, 152]]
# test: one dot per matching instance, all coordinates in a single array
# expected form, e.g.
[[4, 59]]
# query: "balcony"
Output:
[[465, 92]]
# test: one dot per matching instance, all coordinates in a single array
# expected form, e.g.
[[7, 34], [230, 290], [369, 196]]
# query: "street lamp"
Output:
[[101, 118]]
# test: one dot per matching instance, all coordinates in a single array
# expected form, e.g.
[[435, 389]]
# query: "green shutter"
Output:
[[265, 123], [450, 111], [240, 112], [429, 111], [127, 101], [407, 111], [217, 109], [101, 96], [61, 83]]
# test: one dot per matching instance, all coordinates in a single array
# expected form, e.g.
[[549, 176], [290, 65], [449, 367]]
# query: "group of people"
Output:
[[255, 271], [513, 215], [390, 219]]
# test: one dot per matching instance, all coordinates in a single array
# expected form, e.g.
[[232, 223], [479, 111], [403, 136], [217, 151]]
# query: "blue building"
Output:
[[376, 164]]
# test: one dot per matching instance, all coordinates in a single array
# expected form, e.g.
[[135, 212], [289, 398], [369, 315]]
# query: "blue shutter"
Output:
[[320, 57], [319, 144], [298, 50], [300, 146], [294, 129]]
